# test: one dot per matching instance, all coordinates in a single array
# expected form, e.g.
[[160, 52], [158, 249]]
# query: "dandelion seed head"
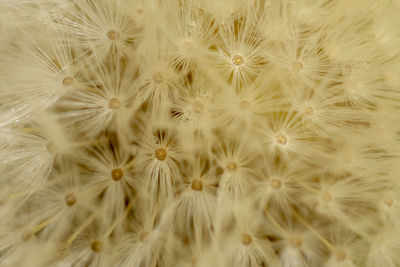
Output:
[[223, 108]]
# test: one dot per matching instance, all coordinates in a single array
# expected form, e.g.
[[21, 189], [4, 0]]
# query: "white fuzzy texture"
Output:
[[199, 133]]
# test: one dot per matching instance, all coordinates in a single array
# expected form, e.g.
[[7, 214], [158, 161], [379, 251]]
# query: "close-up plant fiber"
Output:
[[199, 133]]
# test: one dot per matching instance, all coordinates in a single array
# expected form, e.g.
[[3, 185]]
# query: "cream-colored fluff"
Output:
[[199, 133]]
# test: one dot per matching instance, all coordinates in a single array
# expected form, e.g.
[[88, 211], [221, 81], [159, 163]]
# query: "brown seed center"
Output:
[[276, 183], [26, 235], [197, 107], [50, 147], [114, 103], [246, 239], [309, 111], [326, 196], [96, 246], [297, 65], [237, 60], [296, 241], [340, 255], [245, 105], [232, 166], [388, 202], [281, 139], [143, 235], [117, 174], [70, 199], [113, 35], [160, 153], [197, 185], [68, 81], [157, 77]]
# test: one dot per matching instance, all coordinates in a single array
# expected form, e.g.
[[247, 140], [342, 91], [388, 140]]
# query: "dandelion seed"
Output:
[[241, 54], [233, 157], [242, 110], [285, 134], [90, 23], [103, 106], [193, 109], [109, 178], [189, 33], [159, 157], [159, 82], [49, 71]]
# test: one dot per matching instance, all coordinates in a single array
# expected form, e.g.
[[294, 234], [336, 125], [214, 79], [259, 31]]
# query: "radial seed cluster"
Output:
[[200, 133]]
